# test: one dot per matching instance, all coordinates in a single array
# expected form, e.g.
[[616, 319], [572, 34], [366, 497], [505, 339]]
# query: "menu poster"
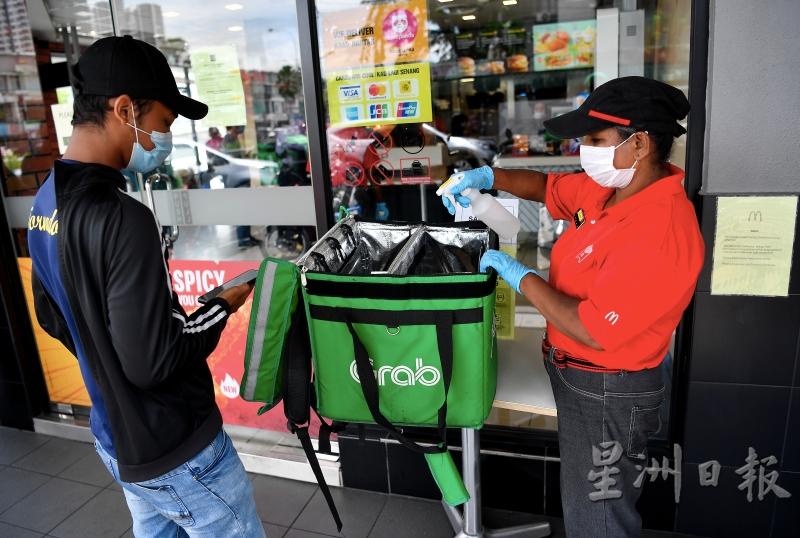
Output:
[[490, 38], [380, 34], [465, 41], [515, 38], [380, 95], [753, 245], [219, 85], [564, 45]]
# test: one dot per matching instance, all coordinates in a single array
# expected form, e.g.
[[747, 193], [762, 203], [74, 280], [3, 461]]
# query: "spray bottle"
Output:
[[487, 209]]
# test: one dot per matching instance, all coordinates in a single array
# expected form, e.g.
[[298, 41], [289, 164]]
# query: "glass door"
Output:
[[415, 90], [237, 185]]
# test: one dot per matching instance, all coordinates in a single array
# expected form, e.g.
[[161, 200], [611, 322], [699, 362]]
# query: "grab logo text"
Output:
[[402, 376]]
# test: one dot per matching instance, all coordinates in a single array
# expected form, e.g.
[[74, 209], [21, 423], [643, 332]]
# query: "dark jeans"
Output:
[[604, 421]]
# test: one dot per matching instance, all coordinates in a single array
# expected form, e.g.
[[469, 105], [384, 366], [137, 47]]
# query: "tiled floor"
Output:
[[54, 487]]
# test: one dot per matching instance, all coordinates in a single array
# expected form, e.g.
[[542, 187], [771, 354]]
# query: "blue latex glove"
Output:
[[479, 178], [507, 267], [381, 212]]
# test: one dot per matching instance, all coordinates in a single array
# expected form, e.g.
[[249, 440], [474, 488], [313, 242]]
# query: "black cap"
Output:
[[123, 65], [637, 102]]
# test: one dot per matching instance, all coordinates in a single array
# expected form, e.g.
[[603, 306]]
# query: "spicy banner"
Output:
[[190, 278], [380, 95]]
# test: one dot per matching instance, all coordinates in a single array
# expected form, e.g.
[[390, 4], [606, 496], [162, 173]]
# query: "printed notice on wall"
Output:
[[753, 245], [219, 85], [380, 95]]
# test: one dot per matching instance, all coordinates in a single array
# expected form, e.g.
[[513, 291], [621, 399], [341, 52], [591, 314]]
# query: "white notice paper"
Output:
[[753, 245]]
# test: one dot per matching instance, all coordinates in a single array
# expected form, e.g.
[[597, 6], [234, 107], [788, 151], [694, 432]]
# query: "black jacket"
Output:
[[144, 358]]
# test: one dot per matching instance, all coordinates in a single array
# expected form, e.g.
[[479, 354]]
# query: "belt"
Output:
[[562, 360]]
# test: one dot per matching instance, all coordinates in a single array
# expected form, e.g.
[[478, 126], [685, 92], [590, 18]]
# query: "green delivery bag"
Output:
[[415, 338], [269, 335], [400, 349]]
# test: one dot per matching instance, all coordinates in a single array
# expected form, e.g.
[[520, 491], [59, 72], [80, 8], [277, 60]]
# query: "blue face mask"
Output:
[[144, 161]]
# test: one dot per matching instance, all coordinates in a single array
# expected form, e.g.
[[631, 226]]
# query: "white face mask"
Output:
[[598, 163]]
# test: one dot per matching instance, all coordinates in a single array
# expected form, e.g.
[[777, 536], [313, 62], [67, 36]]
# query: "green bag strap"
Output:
[[369, 385]]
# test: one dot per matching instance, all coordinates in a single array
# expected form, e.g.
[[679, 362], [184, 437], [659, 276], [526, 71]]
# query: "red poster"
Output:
[[192, 278]]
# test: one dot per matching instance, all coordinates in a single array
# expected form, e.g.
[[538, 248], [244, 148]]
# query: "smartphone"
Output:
[[247, 276]]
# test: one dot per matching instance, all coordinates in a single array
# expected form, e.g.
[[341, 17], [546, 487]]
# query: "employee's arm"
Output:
[[558, 308], [526, 184]]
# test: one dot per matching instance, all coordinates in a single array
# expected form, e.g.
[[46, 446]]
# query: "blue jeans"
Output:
[[210, 495], [604, 422]]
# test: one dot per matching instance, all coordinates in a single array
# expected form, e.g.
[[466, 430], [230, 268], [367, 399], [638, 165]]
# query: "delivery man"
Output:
[[102, 288], [620, 278]]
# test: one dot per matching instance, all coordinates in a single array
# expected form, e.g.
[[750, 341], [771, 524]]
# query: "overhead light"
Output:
[[468, 79], [468, 17], [235, 28], [171, 14], [445, 1], [234, 7], [509, 2]]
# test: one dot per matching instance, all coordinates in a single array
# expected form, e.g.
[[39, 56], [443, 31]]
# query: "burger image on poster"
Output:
[[400, 27], [466, 66]]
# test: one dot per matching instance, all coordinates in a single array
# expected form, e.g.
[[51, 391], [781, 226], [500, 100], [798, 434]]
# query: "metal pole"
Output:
[[115, 29], [468, 523], [470, 439], [313, 83], [189, 94]]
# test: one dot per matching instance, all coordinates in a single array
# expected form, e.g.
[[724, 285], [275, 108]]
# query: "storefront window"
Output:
[[242, 59], [416, 90]]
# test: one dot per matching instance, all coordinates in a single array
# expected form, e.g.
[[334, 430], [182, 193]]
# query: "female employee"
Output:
[[620, 279]]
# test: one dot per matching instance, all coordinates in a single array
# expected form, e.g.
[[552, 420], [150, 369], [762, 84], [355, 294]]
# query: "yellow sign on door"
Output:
[[380, 95]]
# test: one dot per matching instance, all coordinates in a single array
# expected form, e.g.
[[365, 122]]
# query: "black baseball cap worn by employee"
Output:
[[115, 66], [638, 102]]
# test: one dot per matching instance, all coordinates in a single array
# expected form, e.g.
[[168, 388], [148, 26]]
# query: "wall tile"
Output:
[[722, 511], [409, 473], [723, 420], [791, 452], [14, 411], [553, 505], [787, 511], [510, 483], [745, 339], [363, 464]]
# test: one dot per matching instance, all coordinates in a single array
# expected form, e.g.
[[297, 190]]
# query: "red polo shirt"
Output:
[[634, 266]]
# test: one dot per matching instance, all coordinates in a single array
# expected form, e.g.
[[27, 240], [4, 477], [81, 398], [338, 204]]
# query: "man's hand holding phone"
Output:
[[234, 291], [237, 295]]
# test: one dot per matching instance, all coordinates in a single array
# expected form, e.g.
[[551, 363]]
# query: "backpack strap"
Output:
[[308, 448], [369, 385], [298, 399]]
